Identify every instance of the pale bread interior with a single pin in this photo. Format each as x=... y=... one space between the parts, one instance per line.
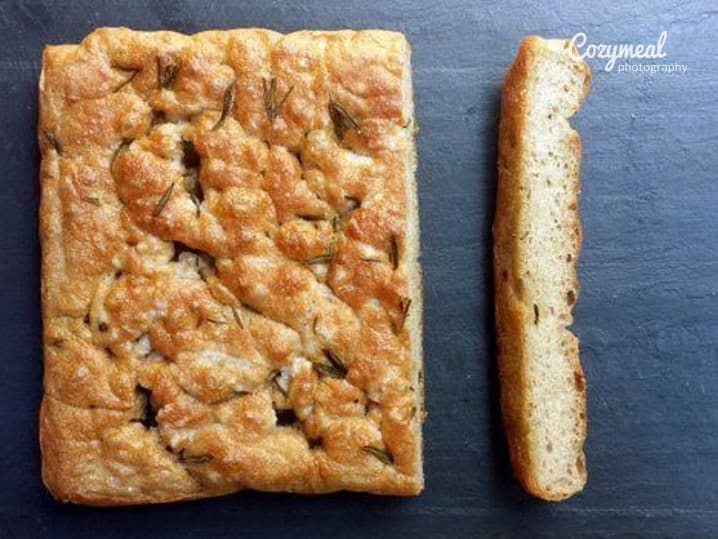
x=546 y=239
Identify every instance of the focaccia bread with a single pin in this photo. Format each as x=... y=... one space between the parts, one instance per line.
x=537 y=237
x=230 y=281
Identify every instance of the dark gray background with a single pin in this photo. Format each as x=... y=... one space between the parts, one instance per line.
x=647 y=316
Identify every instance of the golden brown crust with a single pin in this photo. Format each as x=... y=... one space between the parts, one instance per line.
x=229 y=237
x=508 y=325
x=515 y=314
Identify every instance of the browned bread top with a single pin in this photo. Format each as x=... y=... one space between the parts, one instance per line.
x=230 y=285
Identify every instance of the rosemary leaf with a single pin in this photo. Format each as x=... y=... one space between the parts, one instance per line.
x=166 y=72
x=342 y=120
x=122 y=147
x=338 y=367
x=194 y=459
x=237 y=318
x=273 y=379
x=404 y=305
x=327 y=369
x=127 y=80
x=286 y=96
x=270 y=96
x=196 y=203
x=231 y=396
x=381 y=454
x=272 y=376
x=227 y=103
x=321 y=259
x=394 y=253
x=271 y=105
x=191 y=184
x=53 y=141
x=92 y=200
x=164 y=199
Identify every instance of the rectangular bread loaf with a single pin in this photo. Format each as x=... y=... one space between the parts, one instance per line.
x=230 y=281
x=537 y=237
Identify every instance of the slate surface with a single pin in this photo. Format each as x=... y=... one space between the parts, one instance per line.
x=647 y=315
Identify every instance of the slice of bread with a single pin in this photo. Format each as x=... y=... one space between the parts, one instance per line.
x=537 y=237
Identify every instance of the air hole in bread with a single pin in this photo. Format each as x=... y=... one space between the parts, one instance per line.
x=158 y=117
x=180 y=248
x=148 y=416
x=298 y=156
x=570 y=297
x=314 y=442
x=190 y=157
x=190 y=181
x=285 y=417
x=578 y=381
